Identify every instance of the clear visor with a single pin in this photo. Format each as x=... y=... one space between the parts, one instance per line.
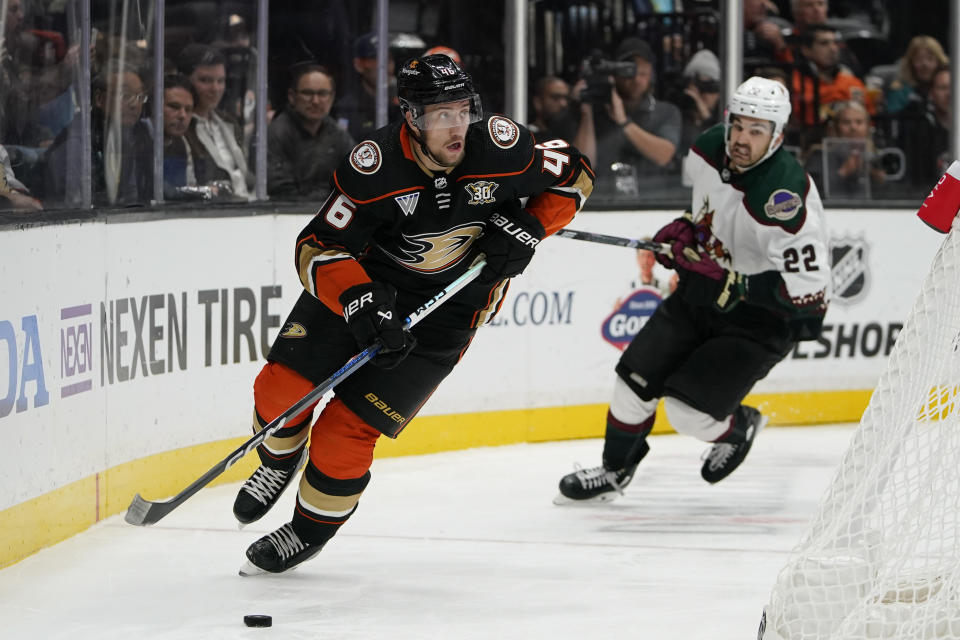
x=446 y=115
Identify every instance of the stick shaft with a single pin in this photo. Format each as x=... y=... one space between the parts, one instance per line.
x=145 y=512
x=630 y=243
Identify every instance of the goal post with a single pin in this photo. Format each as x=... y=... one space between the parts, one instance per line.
x=881 y=557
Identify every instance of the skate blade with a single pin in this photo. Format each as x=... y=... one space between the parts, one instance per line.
x=562 y=500
x=249 y=570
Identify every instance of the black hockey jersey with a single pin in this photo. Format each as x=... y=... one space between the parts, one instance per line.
x=390 y=219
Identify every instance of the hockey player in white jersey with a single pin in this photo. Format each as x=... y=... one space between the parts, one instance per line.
x=754 y=274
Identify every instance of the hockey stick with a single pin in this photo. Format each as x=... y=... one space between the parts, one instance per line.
x=630 y=243
x=144 y=512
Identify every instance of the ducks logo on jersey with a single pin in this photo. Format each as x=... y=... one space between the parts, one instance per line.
x=433 y=252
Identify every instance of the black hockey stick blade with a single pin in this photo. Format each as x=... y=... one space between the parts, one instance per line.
x=630 y=243
x=142 y=512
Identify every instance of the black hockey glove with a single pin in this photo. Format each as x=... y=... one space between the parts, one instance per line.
x=678 y=233
x=509 y=240
x=370 y=311
x=708 y=283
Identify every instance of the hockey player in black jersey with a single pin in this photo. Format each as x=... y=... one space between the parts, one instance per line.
x=411 y=208
x=754 y=274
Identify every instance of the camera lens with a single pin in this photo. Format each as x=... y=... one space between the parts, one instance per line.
x=708 y=86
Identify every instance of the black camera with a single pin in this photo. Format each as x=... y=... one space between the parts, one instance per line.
x=597 y=72
x=706 y=85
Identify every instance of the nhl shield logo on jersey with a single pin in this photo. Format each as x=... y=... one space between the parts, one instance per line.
x=293 y=330
x=440 y=183
x=783 y=205
x=365 y=157
x=408 y=202
x=503 y=131
x=481 y=192
x=849 y=268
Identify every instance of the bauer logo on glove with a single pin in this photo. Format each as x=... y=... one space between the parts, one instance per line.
x=513 y=229
x=511 y=236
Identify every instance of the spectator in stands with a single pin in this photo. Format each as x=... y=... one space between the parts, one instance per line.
x=807 y=13
x=188 y=171
x=14 y=195
x=846 y=159
x=634 y=130
x=926 y=132
x=553 y=112
x=825 y=82
x=219 y=133
x=924 y=54
x=762 y=39
x=357 y=110
x=121 y=145
x=304 y=144
x=698 y=102
x=36 y=69
x=774 y=73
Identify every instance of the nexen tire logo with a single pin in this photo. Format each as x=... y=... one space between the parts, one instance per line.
x=627 y=319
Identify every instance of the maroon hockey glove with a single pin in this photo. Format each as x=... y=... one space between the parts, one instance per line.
x=370 y=311
x=706 y=281
x=680 y=231
x=508 y=242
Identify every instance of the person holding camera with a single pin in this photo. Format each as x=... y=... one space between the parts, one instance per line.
x=699 y=98
x=630 y=128
x=847 y=158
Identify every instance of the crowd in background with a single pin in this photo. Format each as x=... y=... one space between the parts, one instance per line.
x=862 y=130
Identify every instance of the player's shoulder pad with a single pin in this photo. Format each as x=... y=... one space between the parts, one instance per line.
x=711 y=145
x=502 y=138
x=776 y=192
x=370 y=169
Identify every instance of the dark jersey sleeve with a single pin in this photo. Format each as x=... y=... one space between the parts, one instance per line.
x=558 y=181
x=329 y=248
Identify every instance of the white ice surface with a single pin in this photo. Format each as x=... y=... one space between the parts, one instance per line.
x=455 y=545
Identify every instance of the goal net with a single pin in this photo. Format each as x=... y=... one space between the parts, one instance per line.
x=881 y=558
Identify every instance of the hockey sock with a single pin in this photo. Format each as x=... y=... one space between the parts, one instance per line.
x=276 y=388
x=625 y=444
x=283 y=447
x=341 y=452
x=324 y=504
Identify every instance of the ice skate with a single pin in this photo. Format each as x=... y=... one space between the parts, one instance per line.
x=277 y=552
x=598 y=484
x=262 y=490
x=725 y=456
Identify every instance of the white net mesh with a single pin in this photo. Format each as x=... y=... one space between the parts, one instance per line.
x=882 y=556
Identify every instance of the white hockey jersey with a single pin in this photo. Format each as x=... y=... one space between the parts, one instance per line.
x=765 y=222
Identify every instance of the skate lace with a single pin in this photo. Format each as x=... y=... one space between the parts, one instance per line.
x=595 y=477
x=265 y=483
x=286 y=541
x=718 y=454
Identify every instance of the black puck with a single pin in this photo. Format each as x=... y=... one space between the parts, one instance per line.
x=257 y=620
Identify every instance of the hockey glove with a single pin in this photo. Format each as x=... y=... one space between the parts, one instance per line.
x=510 y=238
x=370 y=312
x=680 y=231
x=708 y=283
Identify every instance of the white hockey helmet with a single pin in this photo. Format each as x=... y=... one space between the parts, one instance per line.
x=760 y=98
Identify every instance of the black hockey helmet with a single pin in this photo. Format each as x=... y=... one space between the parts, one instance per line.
x=434 y=79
